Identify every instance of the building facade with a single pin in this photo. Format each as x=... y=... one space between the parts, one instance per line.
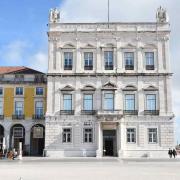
x=22 y=109
x=109 y=89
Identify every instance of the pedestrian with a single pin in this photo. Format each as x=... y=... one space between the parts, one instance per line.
x=170 y=152
x=174 y=153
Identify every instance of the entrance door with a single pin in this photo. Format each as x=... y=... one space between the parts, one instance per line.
x=109 y=143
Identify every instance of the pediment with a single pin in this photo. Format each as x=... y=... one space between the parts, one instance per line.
x=129 y=46
x=89 y=46
x=151 y=88
x=88 y=88
x=149 y=46
x=68 y=46
x=109 y=86
x=130 y=88
x=67 y=88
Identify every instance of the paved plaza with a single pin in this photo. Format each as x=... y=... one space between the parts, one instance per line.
x=90 y=169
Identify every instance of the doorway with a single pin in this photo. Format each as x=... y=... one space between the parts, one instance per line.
x=109 y=143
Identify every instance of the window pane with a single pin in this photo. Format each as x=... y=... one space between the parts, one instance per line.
x=149 y=58
x=68 y=58
x=108 y=57
x=152 y=133
x=108 y=101
x=88 y=58
x=39 y=108
x=18 y=108
x=1 y=108
x=88 y=102
x=129 y=58
x=67 y=102
x=151 y=101
x=39 y=91
x=129 y=102
x=1 y=91
x=131 y=135
x=19 y=90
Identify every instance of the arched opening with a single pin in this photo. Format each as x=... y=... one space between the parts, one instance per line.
x=17 y=135
x=1 y=136
x=37 y=140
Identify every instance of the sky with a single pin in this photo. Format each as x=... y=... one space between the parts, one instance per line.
x=23 y=30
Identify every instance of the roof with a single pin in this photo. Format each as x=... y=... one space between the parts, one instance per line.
x=18 y=70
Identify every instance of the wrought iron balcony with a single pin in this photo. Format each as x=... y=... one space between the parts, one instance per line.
x=1 y=117
x=108 y=67
x=38 y=117
x=129 y=67
x=68 y=67
x=18 y=116
x=67 y=112
x=151 y=112
x=149 y=67
x=88 y=67
x=88 y=112
x=130 y=112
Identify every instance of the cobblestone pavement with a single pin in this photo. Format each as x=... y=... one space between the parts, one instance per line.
x=90 y=169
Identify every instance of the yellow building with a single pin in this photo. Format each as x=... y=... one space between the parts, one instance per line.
x=22 y=109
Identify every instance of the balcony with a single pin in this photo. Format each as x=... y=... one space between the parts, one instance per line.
x=108 y=67
x=130 y=112
x=129 y=67
x=88 y=112
x=67 y=112
x=88 y=67
x=18 y=116
x=1 y=117
x=38 y=117
x=151 y=112
x=68 y=67
x=149 y=67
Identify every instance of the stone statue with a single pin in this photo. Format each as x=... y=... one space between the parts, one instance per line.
x=161 y=15
x=54 y=15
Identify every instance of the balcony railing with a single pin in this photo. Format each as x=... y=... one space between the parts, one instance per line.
x=130 y=112
x=18 y=116
x=108 y=67
x=149 y=67
x=68 y=67
x=129 y=67
x=151 y=112
x=67 y=112
x=109 y=112
x=88 y=67
x=88 y=112
x=38 y=117
x=1 y=117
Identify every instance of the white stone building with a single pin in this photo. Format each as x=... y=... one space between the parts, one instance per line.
x=109 y=89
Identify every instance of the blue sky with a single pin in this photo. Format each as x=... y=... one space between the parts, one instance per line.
x=23 y=29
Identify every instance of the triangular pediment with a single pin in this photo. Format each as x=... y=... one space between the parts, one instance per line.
x=68 y=46
x=89 y=46
x=109 y=86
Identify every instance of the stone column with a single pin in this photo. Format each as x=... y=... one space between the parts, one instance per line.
x=160 y=58
x=27 y=139
x=7 y=138
x=99 y=152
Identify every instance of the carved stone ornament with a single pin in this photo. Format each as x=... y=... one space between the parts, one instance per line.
x=54 y=15
x=161 y=15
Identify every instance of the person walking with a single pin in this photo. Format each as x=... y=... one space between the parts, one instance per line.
x=174 y=153
x=170 y=152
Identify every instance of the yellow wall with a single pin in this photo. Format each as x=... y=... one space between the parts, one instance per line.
x=8 y=102
x=29 y=102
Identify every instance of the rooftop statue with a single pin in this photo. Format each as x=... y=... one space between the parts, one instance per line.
x=161 y=15
x=54 y=15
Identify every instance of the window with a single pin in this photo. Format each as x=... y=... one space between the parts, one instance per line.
x=149 y=60
x=39 y=108
x=39 y=91
x=129 y=102
x=131 y=135
x=152 y=134
x=67 y=100
x=108 y=58
x=88 y=60
x=129 y=60
x=88 y=102
x=109 y=101
x=18 y=108
x=1 y=108
x=67 y=135
x=1 y=91
x=151 y=102
x=68 y=60
x=19 y=90
x=18 y=132
x=88 y=135
x=19 y=77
